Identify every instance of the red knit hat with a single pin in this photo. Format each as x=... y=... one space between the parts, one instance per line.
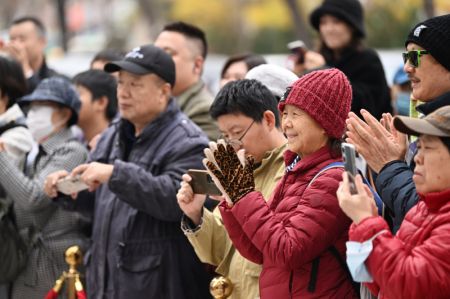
x=326 y=95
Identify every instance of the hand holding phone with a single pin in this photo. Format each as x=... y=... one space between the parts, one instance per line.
x=349 y=157
x=202 y=183
x=70 y=185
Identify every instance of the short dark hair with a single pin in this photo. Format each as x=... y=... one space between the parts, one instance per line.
x=100 y=84
x=12 y=80
x=251 y=60
x=37 y=23
x=108 y=55
x=190 y=31
x=248 y=97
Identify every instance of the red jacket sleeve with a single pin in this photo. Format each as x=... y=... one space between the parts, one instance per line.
x=405 y=271
x=314 y=223
x=242 y=243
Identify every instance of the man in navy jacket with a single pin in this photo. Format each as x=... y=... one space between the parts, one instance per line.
x=138 y=248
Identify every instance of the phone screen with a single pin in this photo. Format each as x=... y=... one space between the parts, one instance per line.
x=202 y=183
x=349 y=157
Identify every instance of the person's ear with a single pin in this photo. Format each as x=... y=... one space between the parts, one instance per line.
x=269 y=119
x=101 y=103
x=65 y=115
x=166 y=91
x=198 y=65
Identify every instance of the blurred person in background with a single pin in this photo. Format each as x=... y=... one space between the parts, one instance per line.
x=340 y=24
x=427 y=63
x=97 y=90
x=105 y=56
x=187 y=45
x=247 y=115
x=53 y=107
x=401 y=92
x=100 y=59
x=301 y=60
x=274 y=77
x=237 y=66
x=15 y=139
x=415 y=262
x=27 y=43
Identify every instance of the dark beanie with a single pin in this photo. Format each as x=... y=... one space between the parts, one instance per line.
x=434 y=36
x=326 y=95
x=349 y=11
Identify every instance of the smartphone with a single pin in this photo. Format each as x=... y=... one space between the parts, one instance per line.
x=349 y=157
x=70 y=185
x=202 y=183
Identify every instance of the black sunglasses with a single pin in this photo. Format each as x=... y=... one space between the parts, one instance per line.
x=413 y=57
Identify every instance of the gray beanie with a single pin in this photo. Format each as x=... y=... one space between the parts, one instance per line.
x=274 y=77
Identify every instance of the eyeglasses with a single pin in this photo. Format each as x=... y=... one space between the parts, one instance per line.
x=237 y=143
x=413 y=57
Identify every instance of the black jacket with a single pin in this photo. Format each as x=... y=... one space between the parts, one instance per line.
x=366 y=74
x=43 y=73
x=139 y=249
x=394 y=182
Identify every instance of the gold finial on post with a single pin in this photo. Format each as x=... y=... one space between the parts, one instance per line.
x=74 y=257
x=221 y=287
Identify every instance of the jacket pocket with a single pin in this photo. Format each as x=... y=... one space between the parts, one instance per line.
x=140 y=276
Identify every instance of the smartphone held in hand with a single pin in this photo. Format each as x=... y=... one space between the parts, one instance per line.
x=202 y=183
x=70 y=185
x=349 y=157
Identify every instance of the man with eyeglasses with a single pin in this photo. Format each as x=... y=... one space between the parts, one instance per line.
x=248 y=118
x=427 y=63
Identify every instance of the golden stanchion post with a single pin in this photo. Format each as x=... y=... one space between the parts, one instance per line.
x=221 y=287
x=74 y=257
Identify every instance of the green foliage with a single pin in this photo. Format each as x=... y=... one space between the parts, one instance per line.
x=387 y=28
x=272 y=40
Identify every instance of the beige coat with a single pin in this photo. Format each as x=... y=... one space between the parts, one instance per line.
x=213 y=246
x=195 y=103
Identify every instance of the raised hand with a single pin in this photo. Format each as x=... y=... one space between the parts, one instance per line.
x=191 y=204
x=373 y=141
x=232 y=172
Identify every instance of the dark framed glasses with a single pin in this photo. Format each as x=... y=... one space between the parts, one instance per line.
x=413 y=57
x=237 y=143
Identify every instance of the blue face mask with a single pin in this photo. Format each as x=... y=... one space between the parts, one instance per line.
x=402 y=103
x=357 y=253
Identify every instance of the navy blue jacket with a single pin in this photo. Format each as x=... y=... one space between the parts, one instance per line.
x=138 y=249
x=394 y=182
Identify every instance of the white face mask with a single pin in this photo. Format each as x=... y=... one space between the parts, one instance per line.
x=39 y=122
x=357 y=254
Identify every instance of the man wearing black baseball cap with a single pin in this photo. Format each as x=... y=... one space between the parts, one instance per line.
x=139 y=250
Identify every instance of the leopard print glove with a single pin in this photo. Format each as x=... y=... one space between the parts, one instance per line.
x=235 y=176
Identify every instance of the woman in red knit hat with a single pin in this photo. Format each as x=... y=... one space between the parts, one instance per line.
x=299 y=235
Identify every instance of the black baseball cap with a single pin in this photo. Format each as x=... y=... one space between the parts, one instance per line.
x=144 y=60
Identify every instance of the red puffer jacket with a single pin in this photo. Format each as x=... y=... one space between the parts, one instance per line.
x=295 y=227
x=416 y=262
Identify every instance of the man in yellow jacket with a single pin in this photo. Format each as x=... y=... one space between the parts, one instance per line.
x=247 y=115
